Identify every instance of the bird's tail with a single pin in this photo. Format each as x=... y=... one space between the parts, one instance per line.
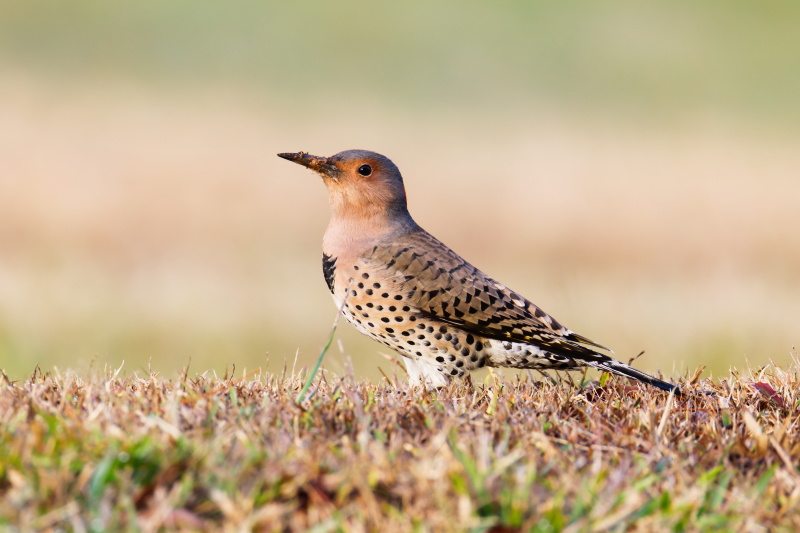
x=621 y=369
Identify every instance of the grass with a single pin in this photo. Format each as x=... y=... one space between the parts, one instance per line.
x=208 y=453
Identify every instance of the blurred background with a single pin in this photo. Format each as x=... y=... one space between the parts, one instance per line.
x=633 y=169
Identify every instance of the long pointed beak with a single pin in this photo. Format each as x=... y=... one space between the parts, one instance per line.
x=317 y=164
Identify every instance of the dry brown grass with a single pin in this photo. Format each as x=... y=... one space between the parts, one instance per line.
x=111 y=453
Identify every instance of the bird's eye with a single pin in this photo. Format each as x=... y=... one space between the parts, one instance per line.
x=365 y=170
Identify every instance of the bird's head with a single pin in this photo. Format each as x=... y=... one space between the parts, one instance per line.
x=360 y=183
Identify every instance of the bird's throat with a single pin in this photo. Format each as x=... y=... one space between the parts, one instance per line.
x=348 y=237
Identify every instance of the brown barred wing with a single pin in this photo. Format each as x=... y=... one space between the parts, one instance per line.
x=443 y=286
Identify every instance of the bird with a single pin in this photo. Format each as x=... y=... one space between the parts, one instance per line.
x=399 y=285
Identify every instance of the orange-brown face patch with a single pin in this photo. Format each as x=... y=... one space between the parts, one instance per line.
x=351 y=168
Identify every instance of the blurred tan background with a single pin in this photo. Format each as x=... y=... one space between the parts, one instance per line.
x=632 y=169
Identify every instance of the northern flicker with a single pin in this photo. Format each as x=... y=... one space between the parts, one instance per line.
x=399 y=285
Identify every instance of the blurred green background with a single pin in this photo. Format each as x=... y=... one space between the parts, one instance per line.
x=632 y=168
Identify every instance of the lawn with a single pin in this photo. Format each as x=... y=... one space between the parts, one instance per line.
x=117 y=452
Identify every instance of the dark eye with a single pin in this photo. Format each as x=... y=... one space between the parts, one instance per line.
x=365 y=170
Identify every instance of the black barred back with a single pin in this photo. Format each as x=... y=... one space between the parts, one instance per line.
x=328 y=269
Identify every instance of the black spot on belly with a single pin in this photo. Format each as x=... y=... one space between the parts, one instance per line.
x=328 y=269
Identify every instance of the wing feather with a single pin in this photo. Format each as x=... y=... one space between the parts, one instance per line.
x=444 y=286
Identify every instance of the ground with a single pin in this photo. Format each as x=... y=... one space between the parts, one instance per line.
x=109 y=452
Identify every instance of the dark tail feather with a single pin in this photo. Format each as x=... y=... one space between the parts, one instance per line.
x=620 y=369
